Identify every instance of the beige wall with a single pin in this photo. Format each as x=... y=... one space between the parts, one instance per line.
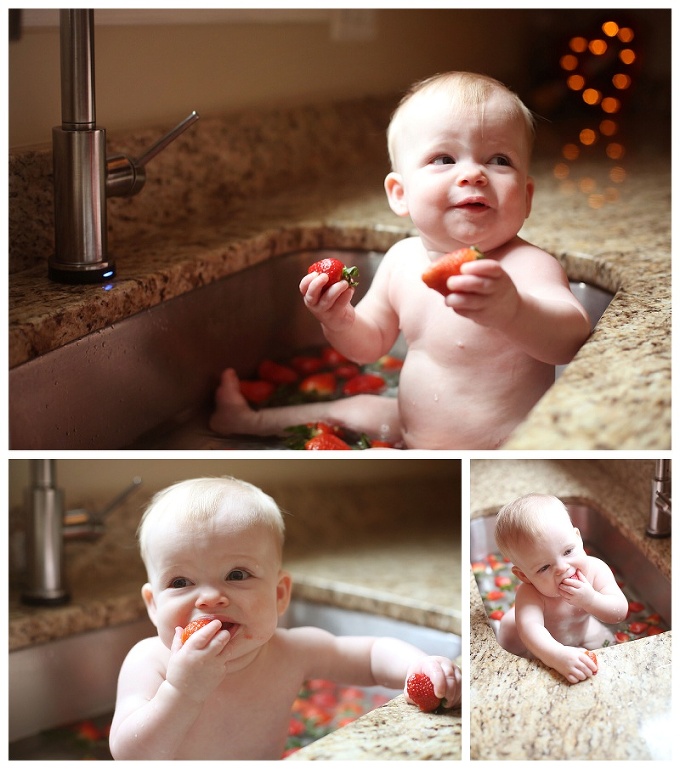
x=85 y=481
x=156 y=74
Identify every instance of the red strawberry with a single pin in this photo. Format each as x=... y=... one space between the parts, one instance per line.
x=503 y=582
x=331 y=357
x=593 y=657
x=256 y=390
x=276 y=372
x=193 y=626
x=421 y=691
x=306 y=364
x=638 y=627
x=364 y=383
x=436 y=275
x=635 y=606
x=322 y=384
x=496 y=614
x=336 y=272
x=326 y=442
x=390 y=363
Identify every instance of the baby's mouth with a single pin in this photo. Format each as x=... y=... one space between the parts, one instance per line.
x=473 y=204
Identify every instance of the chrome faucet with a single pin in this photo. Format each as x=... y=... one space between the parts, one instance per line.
x=83 y=175
x=47 y=528
x=659 y=524
x=44 y=537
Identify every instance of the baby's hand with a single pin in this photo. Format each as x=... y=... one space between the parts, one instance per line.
x=331 y=307
x=197 y=667
x=484 y=293
x=575 y=664
x=445 y=677
x=577 y=591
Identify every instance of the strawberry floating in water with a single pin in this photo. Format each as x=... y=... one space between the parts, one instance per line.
x=421 y=690
x=448 y=265
x=336 y=272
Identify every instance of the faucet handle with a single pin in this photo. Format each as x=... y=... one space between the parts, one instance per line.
x=126 y=176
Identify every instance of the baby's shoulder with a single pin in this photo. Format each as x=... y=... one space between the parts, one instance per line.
x=148 y=650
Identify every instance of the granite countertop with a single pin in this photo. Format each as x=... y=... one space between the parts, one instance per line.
x=206 y=213
x=519 y=709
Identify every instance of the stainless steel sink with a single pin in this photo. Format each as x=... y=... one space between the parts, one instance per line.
x=149 y=381
x=610 y=544
x=75 y=678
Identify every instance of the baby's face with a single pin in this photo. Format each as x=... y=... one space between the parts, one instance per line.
x=227 y=570
x=463 y=173
x=552 y=557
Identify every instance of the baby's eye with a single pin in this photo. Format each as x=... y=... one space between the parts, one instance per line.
x=179 y=582
x=500 y=160
x=443 y=160
x=569 y=551
x=542 y=569
x=237 y=575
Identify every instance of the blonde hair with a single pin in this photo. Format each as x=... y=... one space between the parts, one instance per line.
x=197 y=500
x=523 y=519
x=469 y=89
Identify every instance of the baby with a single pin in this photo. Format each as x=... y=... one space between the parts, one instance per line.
x=213 y=548
x=565 y=594
x=480 y=358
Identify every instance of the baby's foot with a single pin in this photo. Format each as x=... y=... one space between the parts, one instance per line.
x=233 y=414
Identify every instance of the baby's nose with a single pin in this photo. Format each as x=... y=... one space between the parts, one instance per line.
x=212 y=596
x=470 y=173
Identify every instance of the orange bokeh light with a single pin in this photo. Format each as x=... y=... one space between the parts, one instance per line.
x=610 y=28
x=578 y=44
x=618 y=174
x=587 y=136
x=569 y=62
x=627 y=55
x=570 y=151
x=561 y=171
x=625 y=34
x=610 y=105
x=575 y=82
x=615 y=151
x=597 y=47
x=591 y=96
x=608 y=127
x=621 y=81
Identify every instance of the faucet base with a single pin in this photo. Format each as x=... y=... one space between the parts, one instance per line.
x=95 y=273
x=58 y=598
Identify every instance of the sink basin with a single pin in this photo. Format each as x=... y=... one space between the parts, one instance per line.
x=75 y=678
x=149 y=381
x=606 y=541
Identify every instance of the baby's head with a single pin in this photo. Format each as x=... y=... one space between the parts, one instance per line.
x=467 y=90
x=524 y=520
x=196 y=503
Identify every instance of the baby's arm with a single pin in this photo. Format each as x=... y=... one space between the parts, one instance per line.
x=603 y=598
x=363 y=333
x=155 y=709
x=571 y=662
x=527 y=298
x=367 y=661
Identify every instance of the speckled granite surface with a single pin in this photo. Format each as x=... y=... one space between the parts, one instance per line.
x=247 y=188
x=520 y=709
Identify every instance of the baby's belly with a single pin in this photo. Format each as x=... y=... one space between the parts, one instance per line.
x=475 y=406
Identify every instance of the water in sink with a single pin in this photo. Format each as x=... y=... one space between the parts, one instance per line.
x=647 y=590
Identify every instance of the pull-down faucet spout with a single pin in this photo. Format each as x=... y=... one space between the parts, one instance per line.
x=660 y=508
x=83 y=176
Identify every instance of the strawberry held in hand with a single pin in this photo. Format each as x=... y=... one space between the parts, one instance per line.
x=193 y=626
x=336 y=272
x=421 y=690
x=448 y=265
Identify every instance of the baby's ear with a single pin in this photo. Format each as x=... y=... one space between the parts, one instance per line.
x=394 y=188
x=149 y=602
x=283 y=591
x=578 y=533
x=520 y=575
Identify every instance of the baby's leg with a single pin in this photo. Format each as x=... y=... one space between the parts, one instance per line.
x=374 y=415
x=597 y=634
x=508 y=637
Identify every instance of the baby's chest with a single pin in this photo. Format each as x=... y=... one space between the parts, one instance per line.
x=243 y=723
